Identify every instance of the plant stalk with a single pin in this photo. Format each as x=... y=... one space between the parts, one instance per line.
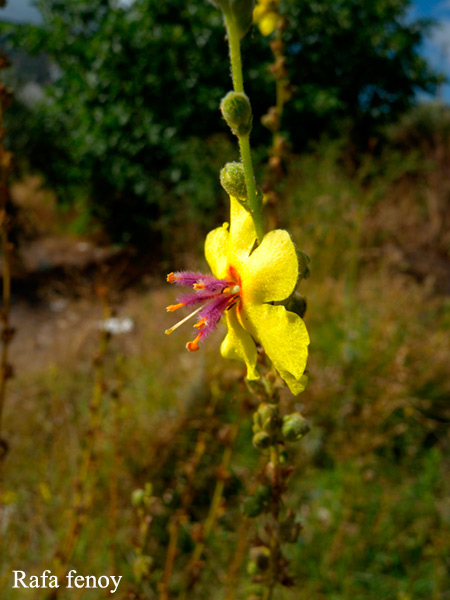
x=244 y=141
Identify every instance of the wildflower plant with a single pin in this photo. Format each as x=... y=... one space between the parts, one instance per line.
x=254 y=274
x=252 y=288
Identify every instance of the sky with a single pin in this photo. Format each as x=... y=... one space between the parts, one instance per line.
x=436 y=48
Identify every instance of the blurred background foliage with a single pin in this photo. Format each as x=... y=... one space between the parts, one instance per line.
x=133 y=92
x=128 y=140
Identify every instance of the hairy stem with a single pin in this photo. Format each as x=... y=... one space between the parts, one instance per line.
x=244 y=142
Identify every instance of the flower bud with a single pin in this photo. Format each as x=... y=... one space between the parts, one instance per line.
x=284 y=457
x=263 y=493
x=303 y=262
x=138 y=497
x=294 y=427
x=261 y=440
x=290 y=531
x=233 y=181
x=237 y=112
x=141 y=497
x=252 y=506
x=256 y=428
x=271 y=120
x=260 y=556
x=297 y=304
x=243 y=15
x=268 y=417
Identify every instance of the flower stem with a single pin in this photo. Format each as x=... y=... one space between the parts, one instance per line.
x=6 y=331
x=234 y=44
x=85 y=480
x=255 y=205
x=222 y=473
x=244 y=142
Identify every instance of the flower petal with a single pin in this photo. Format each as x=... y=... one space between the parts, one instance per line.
x=297 y=386
x=242 y=233
x=270 y=273
x=283 y=336
x=216 y=250
x=238 y=344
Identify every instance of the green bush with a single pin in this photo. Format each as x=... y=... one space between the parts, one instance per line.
x=134 y=86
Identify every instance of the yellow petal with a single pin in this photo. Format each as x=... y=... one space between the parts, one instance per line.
x=238 y=344
x=270 y=273
x=284 y=338
x=297 y=386
x=242 y=232
x=216 y=251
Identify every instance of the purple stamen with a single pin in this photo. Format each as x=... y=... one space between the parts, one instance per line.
x=195 y=298
x=217 y=295
x=208 y=282
x=212 y=313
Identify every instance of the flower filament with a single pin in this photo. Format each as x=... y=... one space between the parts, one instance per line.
x=215 y=296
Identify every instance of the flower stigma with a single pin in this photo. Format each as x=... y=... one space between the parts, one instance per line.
x=215 y=296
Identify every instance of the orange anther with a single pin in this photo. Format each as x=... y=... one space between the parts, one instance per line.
x=200 y=324
x=174 y=307
x=199 y=286
x=170 y=277
x=193 y=346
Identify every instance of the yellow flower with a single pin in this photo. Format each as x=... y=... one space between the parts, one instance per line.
x=266 y=16
x=265 y=275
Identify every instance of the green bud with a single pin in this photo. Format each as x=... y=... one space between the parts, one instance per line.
x=141 y=497
x=294 y=427
x=252 y=506
x=260 y=556
x=141 y=566
x=261 y=440
x=296 y=304
x=263 y=493
x=138 y=497
x=290 y=531
x=303 y=262
x=257 y=419
x=252 y=568
x=242 y=12
x=268 y=417
x=284 y=457
x=237 y=112
x=256 y=428
x=243 y=15
x=233 y=180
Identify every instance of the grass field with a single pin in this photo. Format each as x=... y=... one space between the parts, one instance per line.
x=90 y=419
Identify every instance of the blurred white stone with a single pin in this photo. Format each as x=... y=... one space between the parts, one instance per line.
x=115 y=325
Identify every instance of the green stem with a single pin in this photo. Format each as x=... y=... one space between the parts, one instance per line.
x=244 y=142
x=274 y=541
x=234 y=44
x=255 y=207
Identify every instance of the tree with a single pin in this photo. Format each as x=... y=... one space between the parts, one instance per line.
x=138 y=88
x=356 y=64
